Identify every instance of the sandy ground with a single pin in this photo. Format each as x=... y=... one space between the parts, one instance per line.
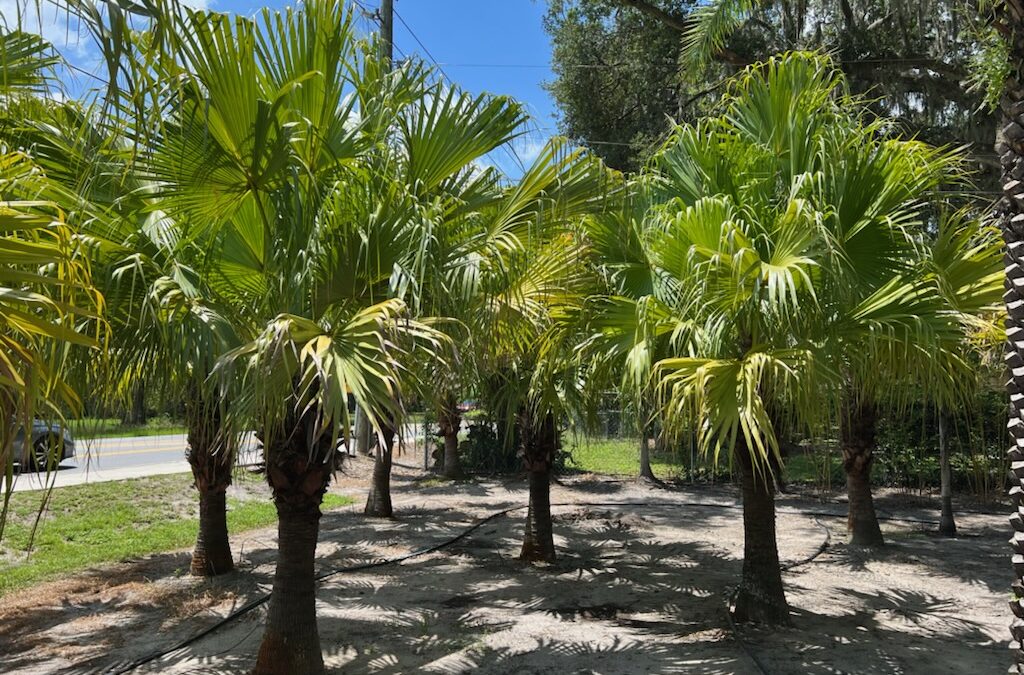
x=637 y=589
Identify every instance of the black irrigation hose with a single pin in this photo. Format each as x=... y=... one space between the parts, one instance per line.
x=253 y=604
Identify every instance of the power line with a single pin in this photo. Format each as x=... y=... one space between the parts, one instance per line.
x=613 y=66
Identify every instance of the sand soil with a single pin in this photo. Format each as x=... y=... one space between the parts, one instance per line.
x=641 y=586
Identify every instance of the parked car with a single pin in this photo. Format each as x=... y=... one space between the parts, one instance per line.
x=49 y=440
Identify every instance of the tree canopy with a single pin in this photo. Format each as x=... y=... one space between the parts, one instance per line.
x=622 y=76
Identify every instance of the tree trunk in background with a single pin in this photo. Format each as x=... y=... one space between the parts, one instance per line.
x=363 y=432
x=136 y=413
x=947 y=525
x=760 y=597
x=378 y=503
x=646 y=473
x=539 y=442
x=291 y=641
x=449 y=421
x=857 y=438
x=1008 y=20
x=211 y=458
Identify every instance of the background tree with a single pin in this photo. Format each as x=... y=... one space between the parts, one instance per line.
x=617 y=80
x=916 y=72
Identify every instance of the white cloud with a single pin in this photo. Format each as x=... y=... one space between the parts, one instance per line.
x=528 y=148
x=59 y=27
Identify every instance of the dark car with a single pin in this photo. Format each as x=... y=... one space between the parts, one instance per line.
x=49 y=441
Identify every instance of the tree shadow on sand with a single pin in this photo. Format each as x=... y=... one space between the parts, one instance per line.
x=631 y=592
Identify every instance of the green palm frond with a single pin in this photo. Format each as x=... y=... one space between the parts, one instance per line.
x=736 y=401
x=448 y=129
x=712 y=25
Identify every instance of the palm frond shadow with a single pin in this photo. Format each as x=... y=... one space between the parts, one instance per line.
x=656 y=605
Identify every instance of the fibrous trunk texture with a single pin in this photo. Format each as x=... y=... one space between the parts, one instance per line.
x=760 y=597
x=210 y=454
x=450 y=421
x=378 y=502
x=212 y=554
x=1009 y=22
x=947 y=525
x=291 y=641
x=539 y=442
x=857 y=428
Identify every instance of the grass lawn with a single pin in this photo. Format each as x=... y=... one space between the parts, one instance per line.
x=86 y=525
x=110 y=427
x=618 y=457
x=621 y=457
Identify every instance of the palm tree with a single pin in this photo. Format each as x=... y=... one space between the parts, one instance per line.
x=1005 y=83
x=529 y=270
x=162 y=328
x=443 y=135
x=755 y=286
x=269 y=165
x=628 y=328
x=48 y=301
x=964 y=261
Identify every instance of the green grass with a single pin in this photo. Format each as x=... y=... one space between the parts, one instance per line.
x=807 y=468
x=110 y=427
x=618 y=457
x=621 y=457
x=87 y=525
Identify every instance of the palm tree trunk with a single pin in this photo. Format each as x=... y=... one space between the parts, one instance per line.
x=450 y=421
x=378 y=502
x=646 y=473
x=299 y=474
x=947 y=525
x=539 y=444
x=1009 y=22
x=857 y=436
x=211 y=458
x=363 y=432
x=212 y=554
x=291 y=641
x=760 y=597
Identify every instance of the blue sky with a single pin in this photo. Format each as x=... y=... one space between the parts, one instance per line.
x=498 y=46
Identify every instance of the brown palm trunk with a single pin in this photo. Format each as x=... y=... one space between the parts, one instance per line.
x=291 y=641
x=378 y=502
x=211 y=456
x=857 y=436
x=760 y=597
x=1008 y=20
x=212 y=554
x=947 y=525
x=539 y=444
x=450 y=421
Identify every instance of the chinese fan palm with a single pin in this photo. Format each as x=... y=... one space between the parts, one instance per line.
x=778 y=263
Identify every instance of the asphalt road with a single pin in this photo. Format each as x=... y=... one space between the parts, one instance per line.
x=105 y=459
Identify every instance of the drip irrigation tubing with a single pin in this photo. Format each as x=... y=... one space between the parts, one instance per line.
x=121 y=669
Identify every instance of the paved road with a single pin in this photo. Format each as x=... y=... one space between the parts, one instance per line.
x=106 y=459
